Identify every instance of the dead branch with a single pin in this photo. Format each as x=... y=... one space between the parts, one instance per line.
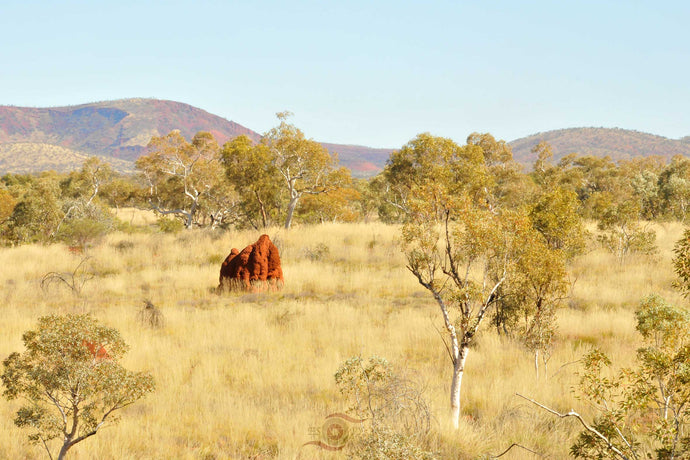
x=582 y=421
x=74 y=280
x=520 y=446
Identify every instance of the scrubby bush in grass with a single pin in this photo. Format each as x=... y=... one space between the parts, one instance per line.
x=82 y=232
x=170 y=225
x=37 y=215
x=151 y=316
x=622 y=234
x=397 y=416
x=681 y=264
x=644 y=411
x=70 y=380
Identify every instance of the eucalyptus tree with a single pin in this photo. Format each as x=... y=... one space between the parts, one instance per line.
x=305 y=166
x=186 y=178
x=70 y=381
x=467 y=249
x=250 y=169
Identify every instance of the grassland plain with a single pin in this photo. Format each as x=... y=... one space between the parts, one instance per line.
x=249 y=375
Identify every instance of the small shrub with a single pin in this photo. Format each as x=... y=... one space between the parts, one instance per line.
x=284 y=318
x=386 y=444
x=625 y=241
x=398 y=415
x=168 y=225
x=215 y=259
x=83 y=232
x=129 y=227
x=124 y=245
x=317 y=252
x=151 y=315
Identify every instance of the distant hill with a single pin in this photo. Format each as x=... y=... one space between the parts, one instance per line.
x=119 y=129
x=619 y=144
x=26 y=157
x=363 y=161
x=37 y=139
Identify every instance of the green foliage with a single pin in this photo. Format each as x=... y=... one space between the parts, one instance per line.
x=82 y=232
x=393 y=406
x=317 y=252
x=555 y=216
x=509 y=188
x=536 y=290
x=86 y=219
x=71 y=380
x=644 y=410
x=674 y=187
x=251 y=171
x=87 y=182
x=543 y=164
x=622 y=234
x=643 y=175
x=305 y=166
x=629 y=238
x=681 y=264
x=59 y=207
x=376 y=200
x=186 y=179
x=169 y=225
x=340 y=205
x=364 y=385
x=434 y=162
x=470 y=245
x=37 y=215
x=124 y=190
x=7 y=204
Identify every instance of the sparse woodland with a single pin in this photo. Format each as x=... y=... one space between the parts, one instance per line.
x=494 y=302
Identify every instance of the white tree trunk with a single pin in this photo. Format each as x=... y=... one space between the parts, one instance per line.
x=458 y=370
x=290 y=211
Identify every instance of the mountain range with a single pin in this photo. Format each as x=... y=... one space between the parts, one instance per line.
x=618 y=144
x=61 y=138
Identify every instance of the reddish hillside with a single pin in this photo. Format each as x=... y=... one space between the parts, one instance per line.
x=363 y=161
x=122 y=129
x=619 y=144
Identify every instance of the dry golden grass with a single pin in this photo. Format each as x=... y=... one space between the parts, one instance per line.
x=248 y=375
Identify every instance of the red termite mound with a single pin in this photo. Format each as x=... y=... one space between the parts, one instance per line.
x=97 y=350
x=255 y=267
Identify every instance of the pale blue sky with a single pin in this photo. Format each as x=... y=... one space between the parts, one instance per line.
x=363 y=72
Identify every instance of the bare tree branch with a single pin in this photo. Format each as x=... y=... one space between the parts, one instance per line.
x=582 y=421
x=521 y=447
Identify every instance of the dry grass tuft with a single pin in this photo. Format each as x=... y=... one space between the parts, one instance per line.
x=151 y=315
